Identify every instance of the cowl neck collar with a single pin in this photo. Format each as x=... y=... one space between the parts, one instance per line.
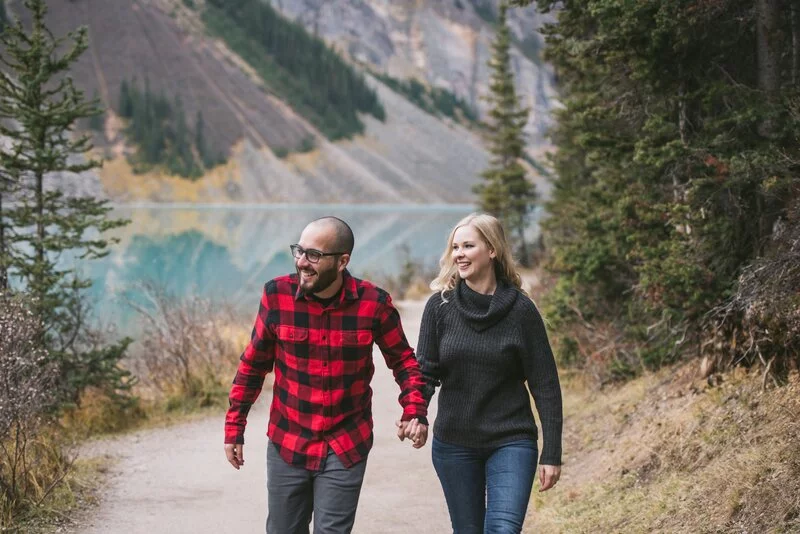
x=483 y=311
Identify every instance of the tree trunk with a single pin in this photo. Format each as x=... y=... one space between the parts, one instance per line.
x=3 y=253
x=768 y=47
x=682 y=120
x=795 y=10
x=524 y=260
x=38 y=244
x=678 y=194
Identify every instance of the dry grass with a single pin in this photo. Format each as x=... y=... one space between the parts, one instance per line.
x=79 y=489
x=669 y=453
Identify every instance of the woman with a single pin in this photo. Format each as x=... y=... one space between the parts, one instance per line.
x=481 y=340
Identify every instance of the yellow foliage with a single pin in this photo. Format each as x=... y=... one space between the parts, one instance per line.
x=122 y=184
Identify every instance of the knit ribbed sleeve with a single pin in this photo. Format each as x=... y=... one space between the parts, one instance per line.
x=542 y=377
x=428 y=347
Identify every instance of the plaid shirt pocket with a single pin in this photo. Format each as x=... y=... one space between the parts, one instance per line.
x=292 y=334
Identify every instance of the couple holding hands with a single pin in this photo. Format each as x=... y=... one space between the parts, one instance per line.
x=482 y=344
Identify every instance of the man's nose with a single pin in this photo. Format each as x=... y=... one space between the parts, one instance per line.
x=302 y=261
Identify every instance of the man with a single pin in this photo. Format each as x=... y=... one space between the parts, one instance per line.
x=316 y=330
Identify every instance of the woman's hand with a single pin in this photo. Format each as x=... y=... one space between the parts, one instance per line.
x=414 y=430
x=548 y=476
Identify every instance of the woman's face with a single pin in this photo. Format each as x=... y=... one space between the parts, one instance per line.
x=472 y=254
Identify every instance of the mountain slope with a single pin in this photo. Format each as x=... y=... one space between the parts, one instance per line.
x=445 y=44
x=411 y=157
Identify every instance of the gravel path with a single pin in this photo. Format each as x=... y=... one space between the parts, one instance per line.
x=177 y=479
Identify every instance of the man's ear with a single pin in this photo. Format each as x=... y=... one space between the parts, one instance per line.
x=344 y=260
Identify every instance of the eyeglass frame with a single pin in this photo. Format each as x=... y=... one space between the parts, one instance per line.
x=314 y=251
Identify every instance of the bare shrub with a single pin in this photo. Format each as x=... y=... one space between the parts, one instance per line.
x=186 y=346
x=600 y=349
x=30 y=466
x=761 y=321
x=598 y=343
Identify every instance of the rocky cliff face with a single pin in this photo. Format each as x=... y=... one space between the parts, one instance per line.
x=445 y=43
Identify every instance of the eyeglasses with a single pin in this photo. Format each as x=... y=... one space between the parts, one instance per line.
x=313 y=256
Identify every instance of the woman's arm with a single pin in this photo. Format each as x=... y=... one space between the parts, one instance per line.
x=542 y=376
x=428 y=347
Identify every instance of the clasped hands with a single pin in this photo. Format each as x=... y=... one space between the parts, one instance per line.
x=413 y=430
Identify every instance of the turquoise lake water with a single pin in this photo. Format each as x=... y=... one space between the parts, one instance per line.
x=227 y=253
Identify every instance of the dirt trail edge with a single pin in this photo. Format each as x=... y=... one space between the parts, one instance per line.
x=177 y=480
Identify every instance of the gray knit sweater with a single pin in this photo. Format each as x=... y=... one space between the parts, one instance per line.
x=482 y=349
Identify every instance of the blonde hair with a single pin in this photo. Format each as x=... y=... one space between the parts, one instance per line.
x=491 y=231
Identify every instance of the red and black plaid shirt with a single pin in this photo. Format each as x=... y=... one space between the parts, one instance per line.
x=322 y=358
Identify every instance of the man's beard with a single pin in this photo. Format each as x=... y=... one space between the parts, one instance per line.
x=321 y=282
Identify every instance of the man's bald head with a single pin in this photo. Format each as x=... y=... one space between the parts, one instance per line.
x=342 y=235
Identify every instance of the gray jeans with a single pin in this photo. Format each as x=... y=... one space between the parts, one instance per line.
x=294 y=493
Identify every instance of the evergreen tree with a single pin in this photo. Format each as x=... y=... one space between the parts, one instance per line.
x=96 y=120
x=3 y=15
x=200 y=141
x=180 y=150
x=506 y=192
x=8 y=183
x=677 y=164
x=125 y=100
x=160 y=130
x=40 y=107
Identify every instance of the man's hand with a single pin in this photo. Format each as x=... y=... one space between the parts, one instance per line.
x=235 y=454
x=548 y=476
x=413 y=430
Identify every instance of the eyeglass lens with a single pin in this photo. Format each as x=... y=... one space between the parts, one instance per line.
x=311 y=255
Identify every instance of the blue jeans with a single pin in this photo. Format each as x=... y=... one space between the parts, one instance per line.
x=487 y=490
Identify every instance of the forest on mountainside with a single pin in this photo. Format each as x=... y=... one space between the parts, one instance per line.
x=159 y=128
x=434 y=100
x=298 y=66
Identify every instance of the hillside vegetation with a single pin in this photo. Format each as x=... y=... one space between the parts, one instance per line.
x=675 y=225
x=411 y=157
x=159 y=128
x=301 y=68
x=674 y=266
x=139 y=41
x=434 y=100
x=667 y=452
